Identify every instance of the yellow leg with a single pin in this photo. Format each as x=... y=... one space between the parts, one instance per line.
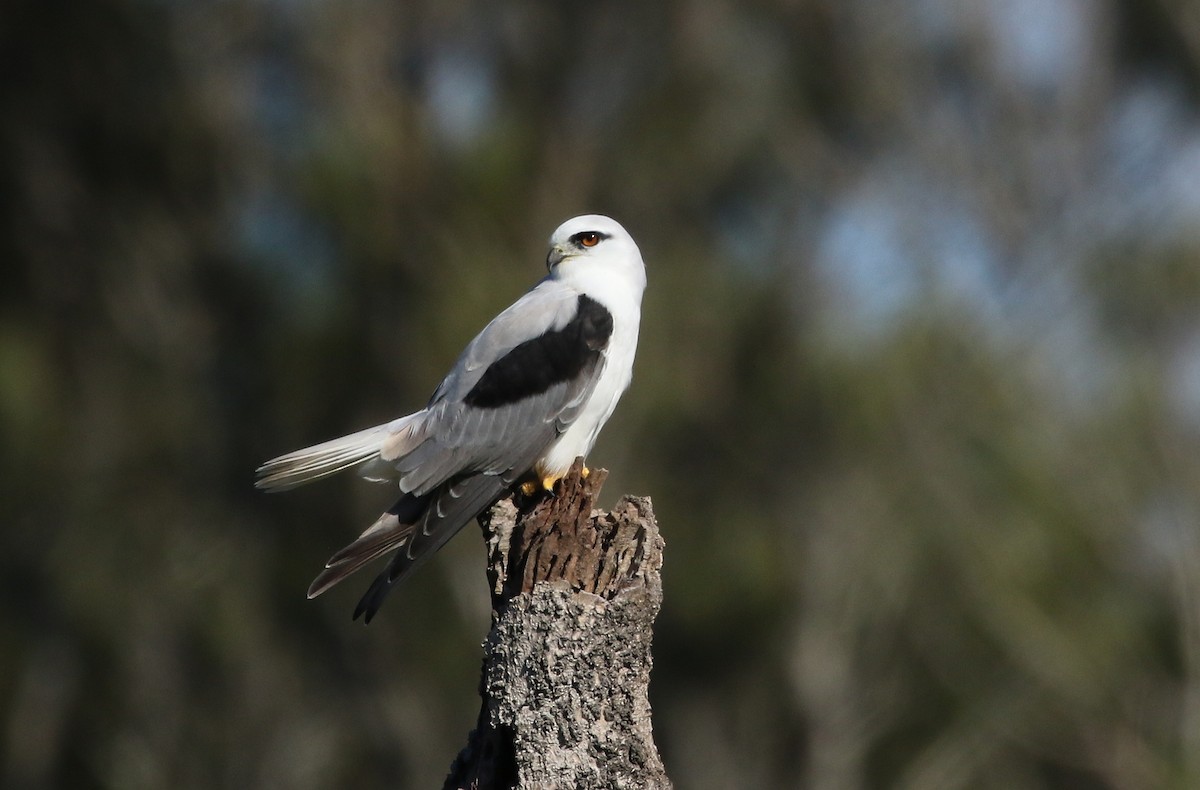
x=530 y=487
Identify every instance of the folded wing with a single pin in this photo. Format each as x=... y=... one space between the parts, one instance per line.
x=513 y=391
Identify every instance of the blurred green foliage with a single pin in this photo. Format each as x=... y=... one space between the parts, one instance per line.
x=917 y=401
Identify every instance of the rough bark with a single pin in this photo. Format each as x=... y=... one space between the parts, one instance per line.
x=567 y=662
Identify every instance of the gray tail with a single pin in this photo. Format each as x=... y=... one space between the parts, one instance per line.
x=321 y=460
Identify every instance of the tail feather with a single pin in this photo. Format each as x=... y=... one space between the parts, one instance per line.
x=328 y=458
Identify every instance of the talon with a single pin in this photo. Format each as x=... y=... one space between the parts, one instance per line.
x=584 y=472
x=548 y=483
x=528 y=488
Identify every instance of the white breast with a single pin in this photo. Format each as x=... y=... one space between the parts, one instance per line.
x=622 y=297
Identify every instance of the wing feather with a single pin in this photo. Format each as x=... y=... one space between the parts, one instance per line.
x=548 y=305
x=452 y=506
x=454 y=458
x=461 y=436
x=451 y=484
x=390 y=531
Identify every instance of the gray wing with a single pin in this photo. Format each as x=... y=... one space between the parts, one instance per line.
x=447 y=510
x=454 y=434
x=416 y=525
x=515 y=388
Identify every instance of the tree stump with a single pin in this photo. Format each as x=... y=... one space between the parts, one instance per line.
x=566 y=664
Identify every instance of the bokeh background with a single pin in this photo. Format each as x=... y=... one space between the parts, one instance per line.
x=917 y=400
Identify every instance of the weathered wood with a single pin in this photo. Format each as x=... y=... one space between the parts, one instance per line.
x=566 y=665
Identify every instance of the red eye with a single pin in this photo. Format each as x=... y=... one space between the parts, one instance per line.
x=589 y=239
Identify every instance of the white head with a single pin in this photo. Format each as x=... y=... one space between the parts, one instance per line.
x=594 y=246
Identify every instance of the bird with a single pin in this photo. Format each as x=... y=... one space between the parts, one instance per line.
x=527 y=396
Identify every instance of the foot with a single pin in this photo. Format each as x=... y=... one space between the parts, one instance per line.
x=530 y=487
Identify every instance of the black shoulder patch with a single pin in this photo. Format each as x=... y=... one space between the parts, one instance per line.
x=538 y=364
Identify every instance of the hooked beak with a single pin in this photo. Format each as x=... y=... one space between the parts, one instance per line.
x=556 y=254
